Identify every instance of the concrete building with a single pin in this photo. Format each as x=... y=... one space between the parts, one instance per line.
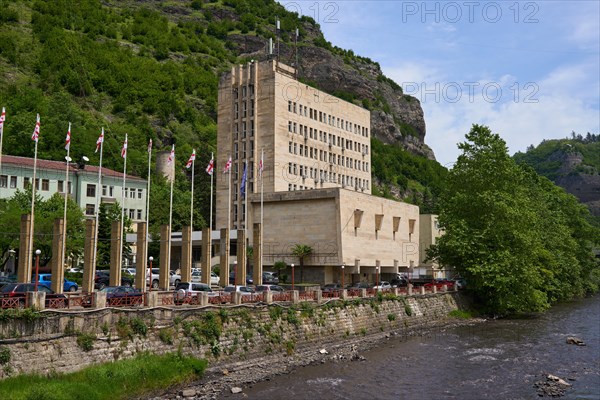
x=316 y=177
x=429 y=232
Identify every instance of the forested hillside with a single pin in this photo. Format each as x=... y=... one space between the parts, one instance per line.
x=150 y=69
x=572 y=163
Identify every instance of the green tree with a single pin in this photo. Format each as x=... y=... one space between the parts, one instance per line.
x=513 y=235
x=302 y=251
x=109 y=213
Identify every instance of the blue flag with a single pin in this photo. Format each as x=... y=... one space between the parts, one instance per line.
x=243 y=186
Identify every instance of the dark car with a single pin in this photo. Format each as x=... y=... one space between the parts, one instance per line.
x=249 y=280
x=102 y=280
x=360 y=285
x=399 y=282
x=123 y=296
x=269 y=278
x=5 y=280
x=19 y=290
x=330 y=287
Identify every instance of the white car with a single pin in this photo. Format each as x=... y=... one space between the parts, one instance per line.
x=244 y=290
x=383 y=285
x=197 y=277
x=174 y=278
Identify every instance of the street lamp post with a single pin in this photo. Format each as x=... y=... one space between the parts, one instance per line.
x=234 y=275
x=377 y=278
x=343 y=266
x=292 y=276
x=150 y=259
x=37 y=268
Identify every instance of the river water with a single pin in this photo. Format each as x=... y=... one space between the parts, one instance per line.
x=499 y=359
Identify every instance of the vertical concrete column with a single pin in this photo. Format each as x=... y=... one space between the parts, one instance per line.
x=268 y=297
x=240 y=274
x=257 y=253
x=186 y=254
x=344 y=294
x=237 y=298
x=206 y=255
x=295 y=297
x=89 y=262
x=58 y=265
x=152 y=299
x=165 y=263
x=203 y=298
x=319 y=296
x=363 y=292
x=99 y=300
x=36 y=300
x=224 y=258
x=25 y=254
x=444 y=288
x=115 y=247
x=434 y=289
x=410 y=289
x=395 y=291
x=422 y=289
x=142 y=246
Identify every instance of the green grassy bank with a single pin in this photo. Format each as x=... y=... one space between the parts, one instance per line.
x=118 y=380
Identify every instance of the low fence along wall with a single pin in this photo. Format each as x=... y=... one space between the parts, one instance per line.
x=68 y=341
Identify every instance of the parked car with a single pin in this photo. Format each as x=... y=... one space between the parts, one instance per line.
x=360 y=285
x=191 y=289
x=19 y=290
x=383 y=285
x=123 y=296
x=130 y=271
x=269 y=278
x=197 y=277
x=174 y=278
x=249 y=280
x=269 y=288
x=75 y=270
x=330 y=287
x=399 y=282
x=102 y=280
x=244 y=290
x=5 y=280
x=439 y=283
x=46 y=280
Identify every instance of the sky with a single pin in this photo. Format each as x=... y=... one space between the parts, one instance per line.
x=530 y=70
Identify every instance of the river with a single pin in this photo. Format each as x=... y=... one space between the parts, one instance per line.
x=500 y=359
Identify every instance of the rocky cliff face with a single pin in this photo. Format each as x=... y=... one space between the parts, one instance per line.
x=395 y=117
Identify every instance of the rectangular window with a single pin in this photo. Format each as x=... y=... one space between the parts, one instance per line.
x=89 y=209
x=139 y=214
x=3 y=181
x=131 y=213
x=45 y=185
x=91 y=190
x=139 y=191
x=132 y=193
x=111 y=190
x=13 y=182
x=104 y=190
x=60 y=186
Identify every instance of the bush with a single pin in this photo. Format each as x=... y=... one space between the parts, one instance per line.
x=4 y=355
x=86 y=341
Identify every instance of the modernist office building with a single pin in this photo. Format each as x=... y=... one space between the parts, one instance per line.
x=317 y=177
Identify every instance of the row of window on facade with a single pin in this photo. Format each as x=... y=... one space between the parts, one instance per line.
x=327 y=157
x=7 y=181
x=243 y=146
x=109 y=191
x=320 y=175
x=328 y=119
x=247 y=129
x=246 y=91
x=246 y=110
x=132 y=213
x=331 y=139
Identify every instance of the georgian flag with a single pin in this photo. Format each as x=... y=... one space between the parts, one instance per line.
x=124 y=148
x=68 y=139
x=171 y=156
x=243 y=185
x=100 y=141
x=211 y=166
x=36 y=131
x=191 y=160
x=260 y=167
x=2 y=119
x=150 y=146
x=227 y=166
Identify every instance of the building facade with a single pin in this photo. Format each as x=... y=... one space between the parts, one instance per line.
x=316 y=178
x=17 y=173
x=310 y=139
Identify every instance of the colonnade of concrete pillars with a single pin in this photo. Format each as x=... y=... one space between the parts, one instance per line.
x=90 y=256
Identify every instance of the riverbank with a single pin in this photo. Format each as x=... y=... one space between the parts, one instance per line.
x=226 y=379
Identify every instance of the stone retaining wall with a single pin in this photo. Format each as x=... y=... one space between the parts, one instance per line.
x=68 y=341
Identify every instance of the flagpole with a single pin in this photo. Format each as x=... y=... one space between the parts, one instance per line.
x=211 y=194
x=31 y=227
x=192 y=209
x=64 y=247
x=246 y=201
x=262 y=227
x=124 y=154
x=101 y=139
x=170 y=210
x=2 y=119
x=147 y=211
x=229 y=199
